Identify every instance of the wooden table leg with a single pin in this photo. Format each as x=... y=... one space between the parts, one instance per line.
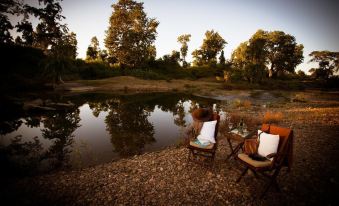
x=235 y=150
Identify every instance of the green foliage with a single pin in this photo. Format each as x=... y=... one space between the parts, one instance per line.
x=202 y=71
x=328 y=64
x=55 y=67
x=275 y=49
x=211 y=46
x=250 y=58
x=222 y=60
x=94 y=70
x=284 y=54
x=66 y=47
x=131 y=34
x=146 y=74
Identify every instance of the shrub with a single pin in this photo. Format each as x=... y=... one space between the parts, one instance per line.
x=97 y=70
x=145 y=74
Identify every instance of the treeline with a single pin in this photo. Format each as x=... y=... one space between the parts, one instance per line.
x=47 y=53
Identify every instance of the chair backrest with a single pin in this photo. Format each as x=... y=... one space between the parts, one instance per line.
x=216 y=117
x=285 y=148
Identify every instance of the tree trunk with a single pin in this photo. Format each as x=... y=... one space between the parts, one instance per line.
x=270 y=71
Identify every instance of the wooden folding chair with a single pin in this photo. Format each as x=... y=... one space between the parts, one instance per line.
x=270 y=169
x=204 y=155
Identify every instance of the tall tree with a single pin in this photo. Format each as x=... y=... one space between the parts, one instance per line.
x=183 y=40
x=60 y=57
x=250 y=57
x=130 y=34
x=284 y=54
x=328 y=63
x=211 y=46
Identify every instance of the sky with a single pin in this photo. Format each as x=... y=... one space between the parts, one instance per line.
x=314 y=23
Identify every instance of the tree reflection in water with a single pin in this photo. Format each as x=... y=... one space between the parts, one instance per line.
x=59 y=128
x=21 y=157
x=129 y=127
x=179 y=114
x=127 y=122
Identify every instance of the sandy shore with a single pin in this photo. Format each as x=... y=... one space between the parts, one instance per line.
x=167 y=178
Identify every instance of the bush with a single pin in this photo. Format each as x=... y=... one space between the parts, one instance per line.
x=145 y=74
x=96 y=70
x=202 y=72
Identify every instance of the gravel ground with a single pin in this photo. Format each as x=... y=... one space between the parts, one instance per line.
x=167 y=178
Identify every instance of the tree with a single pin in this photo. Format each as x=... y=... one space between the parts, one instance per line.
x=49 y=30
x=222 y=60
x=93 y=50
x=60 y=57
x=284 y=54
x=275 y=49
x=103 y=55
x=7 y=7
x=26 y=28
x=183 y=39
x=175 y=56
x=66 y=47
x=130 y=34
x=328 y=64
x=250 y=57
x=212 y=45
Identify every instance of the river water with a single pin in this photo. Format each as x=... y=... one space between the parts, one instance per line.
x=100 y=128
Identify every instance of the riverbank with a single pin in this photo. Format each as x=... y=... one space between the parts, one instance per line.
x=201 y=86
x=166 y=178
x=133 y=84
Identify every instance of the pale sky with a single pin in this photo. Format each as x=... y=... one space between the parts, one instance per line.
x=315 y=24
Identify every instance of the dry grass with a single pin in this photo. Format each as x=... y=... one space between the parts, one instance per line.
x=272 y=117
x=237 y=103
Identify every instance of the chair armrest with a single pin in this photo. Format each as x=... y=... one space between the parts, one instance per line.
x=271 y=155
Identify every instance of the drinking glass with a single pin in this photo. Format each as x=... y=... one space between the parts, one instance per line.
x=230 y=125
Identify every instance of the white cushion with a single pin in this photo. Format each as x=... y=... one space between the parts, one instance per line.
x=206 y=135
x=268 y=144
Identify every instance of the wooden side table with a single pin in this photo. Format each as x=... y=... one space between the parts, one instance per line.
x=239 y=137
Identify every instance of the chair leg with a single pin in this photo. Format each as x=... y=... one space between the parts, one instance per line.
x=232 y=150
x=273 y=181
x=242 y=174
x=255 y=174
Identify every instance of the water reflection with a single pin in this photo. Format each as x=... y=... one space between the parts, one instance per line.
x=59 y=129
x=129 y=127
x=114 y=126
